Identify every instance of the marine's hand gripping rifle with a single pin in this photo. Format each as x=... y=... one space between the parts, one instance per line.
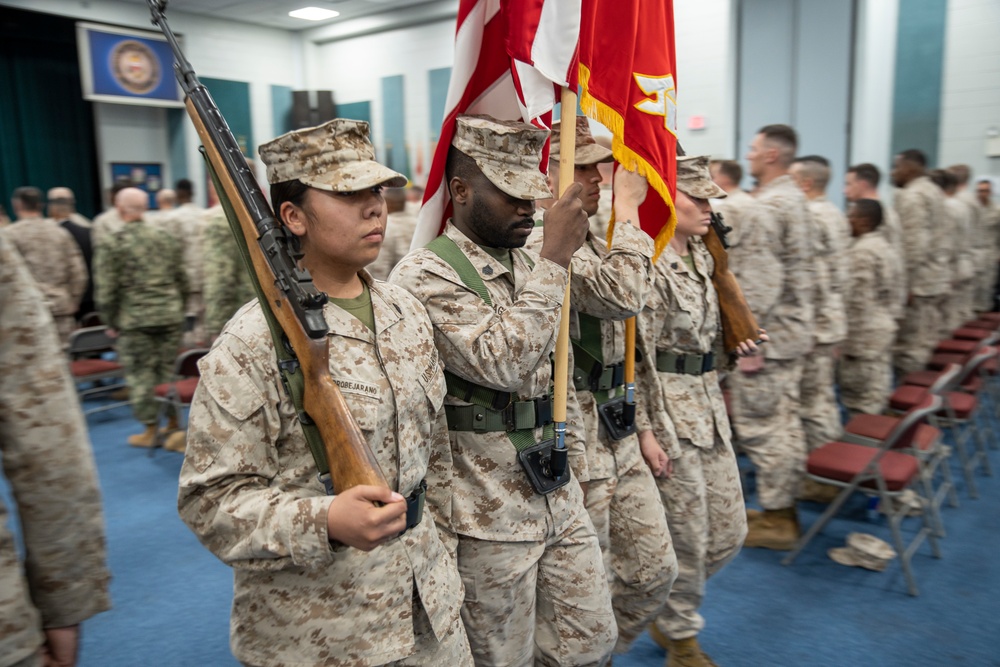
x=738 y=323
x=285 y=288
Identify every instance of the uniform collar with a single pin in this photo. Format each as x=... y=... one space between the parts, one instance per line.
x=489 y=267
x=343 y=324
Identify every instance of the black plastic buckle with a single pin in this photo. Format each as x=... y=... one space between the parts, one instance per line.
x=618 y=377
x=415 y=506
x=708 y=362
x=543 y=411
x=679 y=366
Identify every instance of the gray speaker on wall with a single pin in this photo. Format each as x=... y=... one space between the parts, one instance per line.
x=312 y=107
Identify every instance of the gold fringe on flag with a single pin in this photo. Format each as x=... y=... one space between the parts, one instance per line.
x=628 y=158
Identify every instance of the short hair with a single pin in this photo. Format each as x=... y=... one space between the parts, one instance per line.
x=461 y=165
x=914 y=155
x=944 y=179
x=29 y=197
x=786 y=139
x=961 y=172
x=815 y=167
x=184 y=185
x=866 y=172
x=870 y=210
x=730 y=168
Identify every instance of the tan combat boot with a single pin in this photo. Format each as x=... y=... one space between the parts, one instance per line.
x=686 y=653
x=774 y=529
x=144 y=439
x=661 y=639
x=816 y=492
x=176 y=442
x=171 y=426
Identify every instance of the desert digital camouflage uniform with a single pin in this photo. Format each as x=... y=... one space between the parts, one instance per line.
x=753 y=241
x=105 y=225
x=507 y=531
x=186 y=224
x=398 y=235
x=535 y=585
x=892 y=229
x=249 y=490
x=227 y=285
x=831 y=237
x=989 y=225
x=926 y=243
x=621 y=498
x=767 y=405
x=140 y=288
x=959 y=306
x=703 y=498
x=49 y=467
x=56 y=263
x=873 y=299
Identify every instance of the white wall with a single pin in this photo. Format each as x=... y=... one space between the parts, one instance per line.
x=353 y=69
x=874 y=74
x=217 y=49
x=971 y=88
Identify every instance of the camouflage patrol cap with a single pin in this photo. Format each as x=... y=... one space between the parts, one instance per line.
x=335 y=156
x=863 y=550
x=588 y=151
x=508 y=152
x=695 y=180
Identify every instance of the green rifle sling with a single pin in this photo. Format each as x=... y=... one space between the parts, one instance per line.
x=291 y=371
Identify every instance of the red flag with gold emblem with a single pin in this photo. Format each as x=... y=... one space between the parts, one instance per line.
x=628 y=83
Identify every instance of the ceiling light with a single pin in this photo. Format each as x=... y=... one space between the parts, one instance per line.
x=313 y=14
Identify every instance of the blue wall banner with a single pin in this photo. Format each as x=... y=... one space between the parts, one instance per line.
x=126 y=66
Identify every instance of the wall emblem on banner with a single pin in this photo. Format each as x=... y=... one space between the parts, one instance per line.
x=135 y=67
x=126 y=66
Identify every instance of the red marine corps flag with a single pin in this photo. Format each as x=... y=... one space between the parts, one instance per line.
x=628 y=83
x=511 y=56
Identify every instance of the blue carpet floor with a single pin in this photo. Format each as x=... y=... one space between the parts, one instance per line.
x=171 y=597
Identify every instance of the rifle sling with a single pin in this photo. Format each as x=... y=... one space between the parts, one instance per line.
x=288 y=364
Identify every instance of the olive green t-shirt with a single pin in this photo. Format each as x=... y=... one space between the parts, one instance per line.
x=502 y=255
x=689 y=260
x=359 y=306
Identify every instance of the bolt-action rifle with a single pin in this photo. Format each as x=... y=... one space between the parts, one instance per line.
x=284 y=289
x=738 y=323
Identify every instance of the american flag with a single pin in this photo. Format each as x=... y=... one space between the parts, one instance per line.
x=511 y=57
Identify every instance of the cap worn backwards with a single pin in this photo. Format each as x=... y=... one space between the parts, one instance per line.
x=336 y=156
x=508 y=153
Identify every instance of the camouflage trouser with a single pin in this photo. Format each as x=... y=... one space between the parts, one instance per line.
x=537 y=603
x=195 y=306
x=704 y=507
x=65 y=325
x=632 y=530
x=986 y=279
x=33 y=660
x=865 y=383
x=148 y=356
x=820 y=414
x=919 y=332
x=959 y=305
x=429 y=652
x=768 y=424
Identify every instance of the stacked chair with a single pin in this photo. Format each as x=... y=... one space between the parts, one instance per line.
x=87 y=365
x=176 y=395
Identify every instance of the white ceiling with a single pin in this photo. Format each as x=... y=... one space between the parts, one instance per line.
x=274 y=13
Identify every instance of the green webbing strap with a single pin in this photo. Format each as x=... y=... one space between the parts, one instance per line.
x=291 y=371
x=445 y=248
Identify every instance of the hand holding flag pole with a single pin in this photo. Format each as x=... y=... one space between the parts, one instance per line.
x=567 y=170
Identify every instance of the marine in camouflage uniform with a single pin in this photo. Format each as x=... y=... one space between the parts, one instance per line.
x=186 y=224
x=766 y=400
x=249 y=487
x=140 y=288
x=535 y=585
x=682 y=412
x=830 y=236
x=57 y=265
x=927 y=246
x=52 y=477
x=989 y=229
x=958 y=306
x=607 y=286
x=873 y=302
x=227 y=286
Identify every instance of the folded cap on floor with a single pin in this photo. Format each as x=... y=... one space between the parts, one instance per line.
x=865 y=551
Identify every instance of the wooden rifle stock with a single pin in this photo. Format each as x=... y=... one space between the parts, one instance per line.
x=287 y=289
x=738 y=323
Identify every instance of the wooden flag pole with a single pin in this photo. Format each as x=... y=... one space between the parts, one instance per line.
x=567 y=169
